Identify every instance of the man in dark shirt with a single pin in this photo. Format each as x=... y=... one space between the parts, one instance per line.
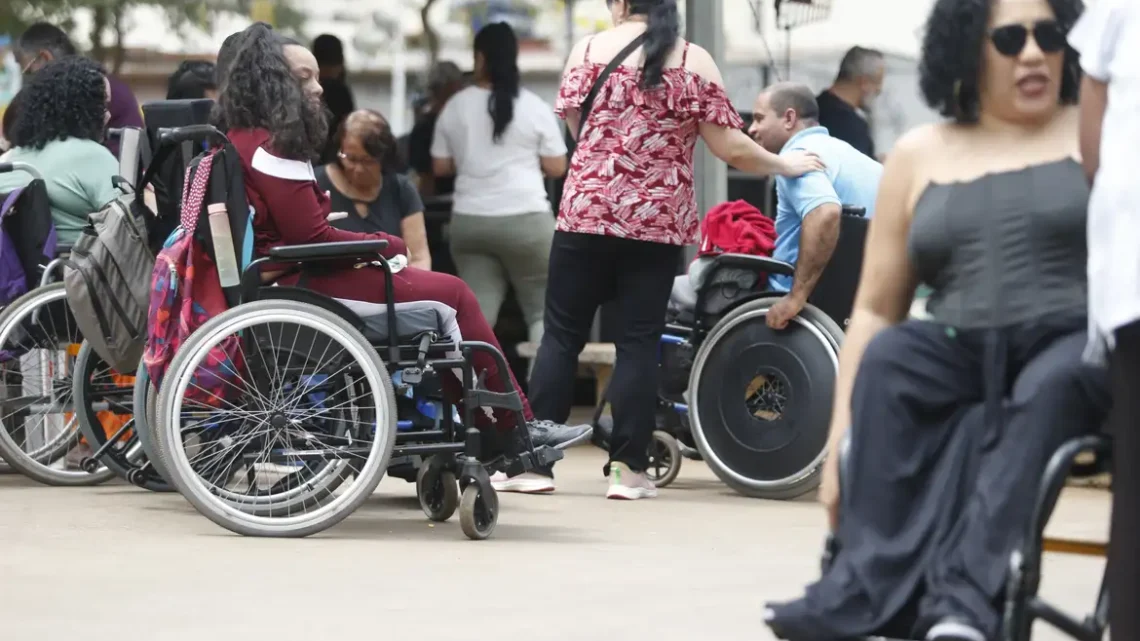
x=337 y=96
x=859 y=83
x=43 y=42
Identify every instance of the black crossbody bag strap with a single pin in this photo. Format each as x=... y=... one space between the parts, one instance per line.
x=588 y=103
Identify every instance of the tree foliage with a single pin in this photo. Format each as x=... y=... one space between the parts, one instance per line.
x=109 y=18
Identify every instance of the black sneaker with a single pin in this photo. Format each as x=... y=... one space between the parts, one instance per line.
x=560 y=437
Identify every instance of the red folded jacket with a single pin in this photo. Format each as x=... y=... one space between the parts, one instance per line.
x=737 y=228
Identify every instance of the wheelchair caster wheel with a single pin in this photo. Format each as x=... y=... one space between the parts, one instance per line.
x=134 y=477
x=664 y=459
x=438 y=492
x=478 y=512
x=89 y=465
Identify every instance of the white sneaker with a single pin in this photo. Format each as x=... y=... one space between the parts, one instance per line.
x=629 y=485
x=528 y=483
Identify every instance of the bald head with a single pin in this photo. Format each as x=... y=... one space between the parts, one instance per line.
x=782 y=110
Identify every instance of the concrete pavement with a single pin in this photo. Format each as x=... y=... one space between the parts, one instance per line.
x=116 y=563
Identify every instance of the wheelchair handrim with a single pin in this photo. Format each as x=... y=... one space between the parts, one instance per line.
x=18 y=313
x=191 y=482
x=694 y=401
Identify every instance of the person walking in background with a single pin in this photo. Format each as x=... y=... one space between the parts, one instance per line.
x=42 y=43
x=444 y=81
x=628 y=209
x=1108 y=40
x=193 y=80
x=337 y=96
x=858 y=85
x=499 y=140
x=365 y=185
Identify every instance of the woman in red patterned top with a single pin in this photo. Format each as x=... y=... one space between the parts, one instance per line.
x=270 y=106
x=628 y=209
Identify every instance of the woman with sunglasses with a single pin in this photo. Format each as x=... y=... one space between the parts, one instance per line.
x=368 y=192
x=952 y=420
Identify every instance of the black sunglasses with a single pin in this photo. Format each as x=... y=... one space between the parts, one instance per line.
x=1011 y=39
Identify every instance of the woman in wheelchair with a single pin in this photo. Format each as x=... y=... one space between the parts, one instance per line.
x=952 y=420
x=63 y=114
x=271 y=105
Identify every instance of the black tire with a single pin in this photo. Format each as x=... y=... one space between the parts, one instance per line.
x=760 y=400
x=49 y=304
x=438 y=492
x=478 y=512
x=146 y=398
x=664 y=459
x=122 y=459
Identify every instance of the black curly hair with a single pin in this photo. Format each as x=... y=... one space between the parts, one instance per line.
x=952 y=50
x=259 y=91
x=66 y=99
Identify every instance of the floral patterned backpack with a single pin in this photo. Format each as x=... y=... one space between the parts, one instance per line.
x=186 y=293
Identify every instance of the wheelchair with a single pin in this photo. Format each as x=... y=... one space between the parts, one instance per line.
x=1079 y=457
x=752 y=402
x=38 y=345
x=323 y=396
x=108 y=421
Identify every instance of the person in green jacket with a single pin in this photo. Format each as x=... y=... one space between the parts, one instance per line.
x=59 y=130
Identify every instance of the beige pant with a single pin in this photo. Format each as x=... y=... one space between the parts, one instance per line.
x=492 y=252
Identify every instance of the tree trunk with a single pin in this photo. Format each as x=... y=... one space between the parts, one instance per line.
x=120 y=53
x=430 y=36
x=99 y=19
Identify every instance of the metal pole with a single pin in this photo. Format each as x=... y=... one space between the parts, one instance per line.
x=704 y=22
x=569 y=6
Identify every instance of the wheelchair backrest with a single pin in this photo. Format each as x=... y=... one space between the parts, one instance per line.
x=227 y=185
x=168 y=177
x=835 y=291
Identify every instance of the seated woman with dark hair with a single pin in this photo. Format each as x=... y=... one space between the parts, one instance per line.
x=368 y=193
x=63 y=114
x=271 y=103
x=952 y=420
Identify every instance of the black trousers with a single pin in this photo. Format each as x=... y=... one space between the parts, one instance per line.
x=1123 y=563
x=587 y=270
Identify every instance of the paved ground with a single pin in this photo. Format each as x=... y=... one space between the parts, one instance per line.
x=118 y=563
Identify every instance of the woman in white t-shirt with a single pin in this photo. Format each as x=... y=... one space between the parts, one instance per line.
x=500 y=141
x=1108 y=39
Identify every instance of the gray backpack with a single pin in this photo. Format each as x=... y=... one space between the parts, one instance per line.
x=108 y=282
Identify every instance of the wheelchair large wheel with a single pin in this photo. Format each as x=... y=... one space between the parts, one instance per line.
x=39 y=428
x=146 y=397
x=309 y=404
x=105 y=406
x=760 y=400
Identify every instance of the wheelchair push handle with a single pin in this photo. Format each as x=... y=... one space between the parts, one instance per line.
x=9 y=167
x=856 y=212
x=189 y=133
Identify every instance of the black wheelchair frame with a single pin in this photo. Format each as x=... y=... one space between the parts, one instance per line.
x=1023 y=605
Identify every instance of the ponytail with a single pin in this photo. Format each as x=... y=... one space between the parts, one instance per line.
x=662 y=33
x=500 y=49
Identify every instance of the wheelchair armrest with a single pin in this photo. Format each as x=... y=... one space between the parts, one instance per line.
x=351 y=250
x=757 y=263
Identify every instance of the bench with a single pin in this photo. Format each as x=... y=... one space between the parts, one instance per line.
x=597 y=357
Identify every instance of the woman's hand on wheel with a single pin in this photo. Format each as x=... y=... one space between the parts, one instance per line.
x=829 y=489
x=798 y=163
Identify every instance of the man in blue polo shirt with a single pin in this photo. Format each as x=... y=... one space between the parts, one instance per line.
x=786 y=118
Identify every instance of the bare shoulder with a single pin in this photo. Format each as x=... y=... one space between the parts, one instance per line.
x=578 y=53
x=916 y=142
x=701 y=62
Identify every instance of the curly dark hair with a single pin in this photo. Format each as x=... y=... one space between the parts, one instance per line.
x=260 y=92
x=952 y=51
x=66 y=99
x=375 y=135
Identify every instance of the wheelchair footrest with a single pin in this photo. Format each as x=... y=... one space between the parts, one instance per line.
x=542 y=458
x=500 y=400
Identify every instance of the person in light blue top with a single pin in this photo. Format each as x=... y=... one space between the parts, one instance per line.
x=785 y=119
x=59 y=130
